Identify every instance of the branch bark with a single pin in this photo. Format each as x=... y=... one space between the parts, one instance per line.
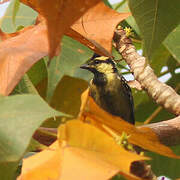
x=45 y=136
x=143 y=73
x=168 y=131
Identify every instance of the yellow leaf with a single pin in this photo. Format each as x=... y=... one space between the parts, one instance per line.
x=82 y=152
x=143 y=137
x=96 y=146
x=44 y=165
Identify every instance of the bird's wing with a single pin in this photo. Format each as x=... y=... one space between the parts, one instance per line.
x=128 y=91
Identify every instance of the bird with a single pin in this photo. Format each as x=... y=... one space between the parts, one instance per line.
x=109 y=89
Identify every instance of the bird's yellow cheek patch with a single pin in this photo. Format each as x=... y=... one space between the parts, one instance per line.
x=105 y=68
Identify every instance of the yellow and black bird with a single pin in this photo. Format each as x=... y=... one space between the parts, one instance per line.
x=109 y=89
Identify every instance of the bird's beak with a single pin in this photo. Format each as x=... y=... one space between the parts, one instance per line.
x=85 y=66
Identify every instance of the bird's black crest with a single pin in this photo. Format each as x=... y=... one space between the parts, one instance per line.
x=95 y=56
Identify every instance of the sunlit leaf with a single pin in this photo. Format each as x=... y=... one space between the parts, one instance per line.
x=16 y=6
x=143 y=137
x=25 y=16
x=60 y=17
x=44 y=165
x=97 y=26
x=97 y=154
x=97 y=148
x=19 y=53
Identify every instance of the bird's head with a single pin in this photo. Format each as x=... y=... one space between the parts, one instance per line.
x=100 y=64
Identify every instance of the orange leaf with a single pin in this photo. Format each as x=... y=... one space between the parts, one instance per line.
x=97 y=148
x=59 y=16
x=84 y=152
x=97 y=26
x=18 y=52
x=91 y=19
x=64 y=163
x=80 y=164
x=44 y=165
x=92 y=45
x=4 y=36
x=143 y=137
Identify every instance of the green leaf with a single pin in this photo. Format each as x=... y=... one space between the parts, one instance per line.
x=172 y=64
x=24 y=17
x=38 y=72
x=20 y=116
x=106 y=2
x=159 y=59
x=35 y=146
x=116 y=6
x=172 y=42
x=25 y=86
x=165 y=166
x=16 y=5
x=118 y=177
x=67 y=98
x=156 y=19
x=139 y=97
x=130 y=20
x=174 y=81
x=145 y=106
x=8 y=170
x=73 y=54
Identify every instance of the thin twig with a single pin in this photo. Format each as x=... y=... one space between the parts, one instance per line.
x=153 y=115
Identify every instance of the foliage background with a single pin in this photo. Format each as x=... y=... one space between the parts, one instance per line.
x=57 y=88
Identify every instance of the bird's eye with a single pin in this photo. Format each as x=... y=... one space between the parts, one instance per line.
x=96 y=62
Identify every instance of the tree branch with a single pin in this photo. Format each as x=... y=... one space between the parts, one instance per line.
x=143 y=73
x=45 y=136
x=168 y=131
